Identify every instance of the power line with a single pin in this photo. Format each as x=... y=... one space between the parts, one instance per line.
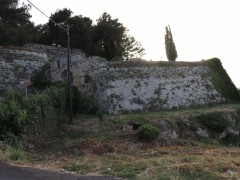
x=68 y=62
x=47 y=16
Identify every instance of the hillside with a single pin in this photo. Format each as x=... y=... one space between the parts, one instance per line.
x=109 y=146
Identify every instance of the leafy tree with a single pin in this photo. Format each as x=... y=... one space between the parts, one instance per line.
x=80 y=31
x=42 y=34
x=15 y=26
x=112 y=41
x=58 y=35
x=132 y=48
x=170 y=45
x=108 y=37
x=10 y=13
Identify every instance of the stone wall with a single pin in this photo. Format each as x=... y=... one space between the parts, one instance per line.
x=118 y=87
x=147 y=86
x=18 y=64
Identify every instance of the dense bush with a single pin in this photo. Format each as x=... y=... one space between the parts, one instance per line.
x=12 y=118
x=39 y=114
x=148 y=132
x=33 y=114
x=215 y=121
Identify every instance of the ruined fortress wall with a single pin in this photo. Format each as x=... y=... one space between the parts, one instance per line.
x=18 y=64
x=152 y=86
x=117 y=87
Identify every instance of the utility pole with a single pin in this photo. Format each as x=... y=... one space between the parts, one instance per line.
x=70 y=113
x=69 y=78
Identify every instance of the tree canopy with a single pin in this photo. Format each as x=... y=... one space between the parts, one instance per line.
x=171 y=51
x=133 y=48
x=113 y=42
x=108 y=38
x=15 y=25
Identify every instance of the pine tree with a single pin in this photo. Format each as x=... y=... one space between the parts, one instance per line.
x=15 y=25
x=171 y=51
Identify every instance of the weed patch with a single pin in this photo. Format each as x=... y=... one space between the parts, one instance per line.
x=215 y=121
x=126 y=170
x=17 y=155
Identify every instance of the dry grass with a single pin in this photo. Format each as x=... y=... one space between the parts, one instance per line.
x=93 y=147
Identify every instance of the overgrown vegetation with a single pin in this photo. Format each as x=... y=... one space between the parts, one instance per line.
x=36 y=114
x=215 y=121
x=39 y=114
x=104 y=148
x=83 y=104
x=222 y=81
x=39 y=78
x=17 y=155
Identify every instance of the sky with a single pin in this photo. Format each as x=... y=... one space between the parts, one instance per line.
x=201 y=29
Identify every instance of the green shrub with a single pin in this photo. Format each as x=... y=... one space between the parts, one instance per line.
x=13 y=118
x=13 y=140
x=231 y=139
x=39 y=114
x=148 y=132
x=214 y=121
x=33 y=114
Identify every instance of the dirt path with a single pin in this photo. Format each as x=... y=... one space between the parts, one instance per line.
x=11 y=172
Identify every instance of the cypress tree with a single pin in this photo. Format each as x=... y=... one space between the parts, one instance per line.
x=171 y=51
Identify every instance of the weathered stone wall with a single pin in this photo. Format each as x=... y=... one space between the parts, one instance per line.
x=118 y=87
x=18 y=64
x=148 y=86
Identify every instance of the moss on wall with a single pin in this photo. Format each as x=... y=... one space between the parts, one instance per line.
x=222 y=81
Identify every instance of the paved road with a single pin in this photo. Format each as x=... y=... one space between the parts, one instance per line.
x=10 y=172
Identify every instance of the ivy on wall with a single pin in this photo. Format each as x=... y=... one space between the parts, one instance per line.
x=222 y=81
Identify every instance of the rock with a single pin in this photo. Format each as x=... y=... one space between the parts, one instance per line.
x=135 y=125
x=127 y=128
x=202 y=133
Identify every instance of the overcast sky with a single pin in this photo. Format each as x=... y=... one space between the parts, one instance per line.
x=201 y=29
